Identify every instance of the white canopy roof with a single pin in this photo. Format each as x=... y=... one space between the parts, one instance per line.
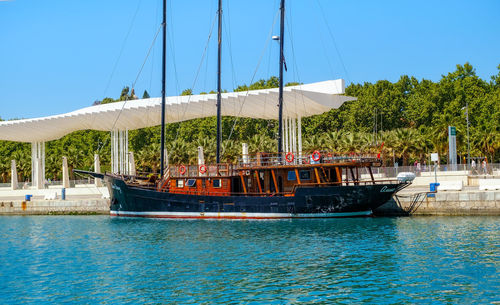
x=299 y=101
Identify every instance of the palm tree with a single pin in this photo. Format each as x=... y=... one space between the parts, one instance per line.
x=4 y=168
x=230 y=151
x=261 y=143
x=178 y=152
x=209 y=149
x=488 y=142
x=406 y=142
x=314 y=142
x=333 y=140
x=350 y=143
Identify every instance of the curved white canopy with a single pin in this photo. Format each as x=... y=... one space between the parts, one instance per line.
x=299 y=101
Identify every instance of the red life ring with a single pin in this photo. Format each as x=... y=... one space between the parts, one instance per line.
x=182 y=169
x=202 y=169
x=316 y=156
x=289 y=157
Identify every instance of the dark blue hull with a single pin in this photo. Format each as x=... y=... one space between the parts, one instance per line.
x=329 y=201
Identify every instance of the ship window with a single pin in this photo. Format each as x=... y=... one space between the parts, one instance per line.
x=180 y=183
x=216 y=183
x=305 y=175
x=191 y=182
x=291 y=176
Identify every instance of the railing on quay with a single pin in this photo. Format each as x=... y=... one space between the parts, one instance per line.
x=49 y=183
x=490 y=169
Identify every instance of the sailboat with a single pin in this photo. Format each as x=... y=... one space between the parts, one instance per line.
x=264 y=186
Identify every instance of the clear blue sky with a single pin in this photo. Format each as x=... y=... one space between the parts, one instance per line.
x=58 y=55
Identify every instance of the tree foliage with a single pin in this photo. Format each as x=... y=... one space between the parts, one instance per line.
x=412 y=118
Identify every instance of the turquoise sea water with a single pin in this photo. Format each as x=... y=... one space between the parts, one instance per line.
x=103 y=260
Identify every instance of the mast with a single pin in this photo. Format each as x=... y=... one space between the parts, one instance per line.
x=219 y=48
x=280 y=99
x=164 y=47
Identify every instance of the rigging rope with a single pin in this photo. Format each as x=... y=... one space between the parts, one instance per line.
x=333 y=40
x=253 y=77
x=147 y=55
x=197 y=72
x=122 y=47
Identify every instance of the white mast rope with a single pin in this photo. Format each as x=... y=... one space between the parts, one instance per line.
x=197 y=73
x=147 y=56
x=122 y=47
x=157 y=18
x=253 y=77
x=297 y=74
x=333 y=40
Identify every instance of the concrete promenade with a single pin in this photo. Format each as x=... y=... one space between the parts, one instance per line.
x=81 y=199
x=469 y=201
x=89 y=199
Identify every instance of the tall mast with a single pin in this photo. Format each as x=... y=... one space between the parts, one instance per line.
x=164 y=47
x=218 y=82
x=280 y=99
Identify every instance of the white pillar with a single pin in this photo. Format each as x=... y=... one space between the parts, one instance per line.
x=38 y=164
x=245 y=157
x=299 y=136
x=13 y=175
x=40 y=176
x=97 y=169
x=131 y=161
x=119 y=152
x=201 y=160
x=293 y=132
x=285 y=126
x=127 y=155
x=65 y=174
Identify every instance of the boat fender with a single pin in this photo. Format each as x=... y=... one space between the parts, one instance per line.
x=289 y=157
x=316 y=156
x=202 y=169
x=182 y=169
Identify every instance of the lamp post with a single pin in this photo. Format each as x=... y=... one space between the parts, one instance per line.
x=468 y=141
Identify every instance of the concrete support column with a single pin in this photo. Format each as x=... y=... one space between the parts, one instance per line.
x=299 y=136
x=119 y=152
x=285 y=126
x=97 y=169
x=131 y=161
x=65 y=176
x=201 y=160
x=245 y=156
x=38 y=164
x=13 y=175
x=40 y=174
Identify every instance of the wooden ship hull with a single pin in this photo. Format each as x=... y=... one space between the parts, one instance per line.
x=322 y=190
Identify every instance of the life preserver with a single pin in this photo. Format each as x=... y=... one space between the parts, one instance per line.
x=182 y=169
x=202 y=169
x=247 y=173
x=289 y=157
x=316 y=156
